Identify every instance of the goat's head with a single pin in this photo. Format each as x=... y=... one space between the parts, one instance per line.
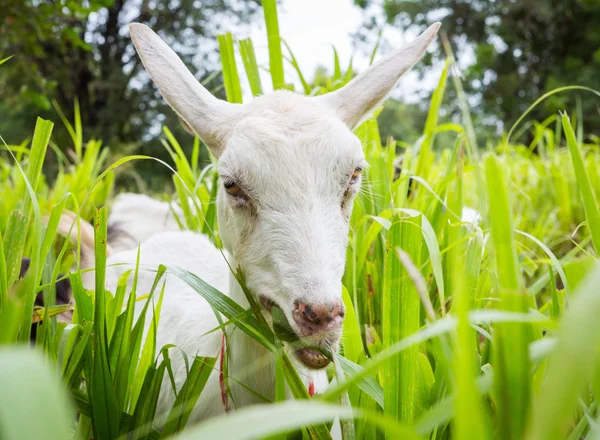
x=290 y=167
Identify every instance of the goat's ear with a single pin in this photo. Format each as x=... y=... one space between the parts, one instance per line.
x=356 y=101
x=207 y=116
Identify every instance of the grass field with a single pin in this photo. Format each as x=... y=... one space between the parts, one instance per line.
x=454 y=330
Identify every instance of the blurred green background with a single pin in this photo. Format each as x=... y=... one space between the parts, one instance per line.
x=511 y=51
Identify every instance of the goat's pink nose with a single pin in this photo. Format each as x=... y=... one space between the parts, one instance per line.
x=317 y=318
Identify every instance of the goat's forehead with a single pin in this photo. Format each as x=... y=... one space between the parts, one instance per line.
x=284 y=128
x=287 y=107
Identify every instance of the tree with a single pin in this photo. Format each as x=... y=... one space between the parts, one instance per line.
x=67 y=50
x=522 y=50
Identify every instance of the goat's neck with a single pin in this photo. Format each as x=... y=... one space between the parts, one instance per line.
x=235 y=291
x=249 y=362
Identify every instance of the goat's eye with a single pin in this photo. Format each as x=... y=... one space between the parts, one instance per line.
x=351 y=188
x=235 y=193
x=356 y=174
x=233 y=189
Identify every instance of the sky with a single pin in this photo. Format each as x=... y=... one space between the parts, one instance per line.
x=310 y=27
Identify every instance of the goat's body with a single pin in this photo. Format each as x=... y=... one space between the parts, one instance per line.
x=185 y=317
x=135 y=218
x=186 y=321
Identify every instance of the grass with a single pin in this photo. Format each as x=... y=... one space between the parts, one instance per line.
x=454 y=330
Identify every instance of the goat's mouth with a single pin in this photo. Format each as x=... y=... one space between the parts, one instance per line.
x=310 y=356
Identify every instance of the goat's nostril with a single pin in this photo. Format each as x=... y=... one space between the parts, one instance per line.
x=316 y=318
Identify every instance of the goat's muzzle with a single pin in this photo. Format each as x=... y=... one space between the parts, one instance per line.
x=318 y=329
x=315 y=319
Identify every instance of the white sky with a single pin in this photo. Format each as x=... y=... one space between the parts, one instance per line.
x=310 y=27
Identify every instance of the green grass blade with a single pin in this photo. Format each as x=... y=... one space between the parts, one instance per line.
x=11 y=318
x=33 y=404
x=28 y=287
x=433 y=249
x=100 y=241
x=572 y=363
x=3 y=275
x=52 y=225
x=144 y=413
x=84 y=305
x=188 y=394
x=251 y=66
x=78 y=141
x=368 y=385
x=225 y=305
x=431 y=123
x=305 y=85
x=116 y=309
x=274 y=40
x=590 y=203
x=443 y=411
x=401 y=318
x=299 y=391
x=4 y=60
x=511 y=341
x=14 y=244
x=39 y=145
x=543 y=98
x=262 y=421
x=106 y=412
x=434 y=330
x=149 y=346
x=67 y=343
x=231 y=77
x=351 y=339
x=471 y=420
x=123 y=345
x=76 y=359
x=66 y=123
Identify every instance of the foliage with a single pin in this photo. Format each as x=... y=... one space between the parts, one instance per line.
x=454 y=329
x=67 y=50
x=521 y=49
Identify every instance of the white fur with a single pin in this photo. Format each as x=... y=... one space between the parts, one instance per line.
x=136 y=217
x=293 y=156
x=185 y=316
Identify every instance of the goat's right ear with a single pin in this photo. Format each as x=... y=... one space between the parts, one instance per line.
x=355 y=102
x=208 y=117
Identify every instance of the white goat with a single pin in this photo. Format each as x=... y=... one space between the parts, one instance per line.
x=290 y=167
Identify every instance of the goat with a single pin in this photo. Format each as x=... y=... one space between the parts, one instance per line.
x=136 y=217
x=133 y=219
x=289 y=168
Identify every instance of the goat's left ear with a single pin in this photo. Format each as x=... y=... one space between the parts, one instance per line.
x=356 y=101
x=201 y=113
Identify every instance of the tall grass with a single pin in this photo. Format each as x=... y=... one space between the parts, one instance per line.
x=453 y=330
